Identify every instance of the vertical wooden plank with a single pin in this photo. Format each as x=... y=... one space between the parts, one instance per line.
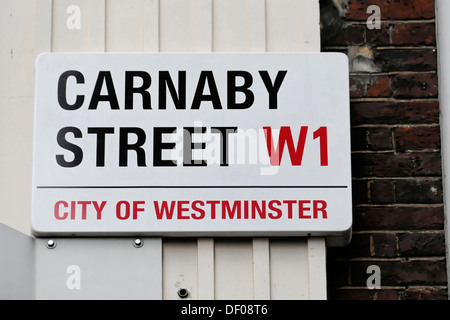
x=97 y=21
x=205 y=274
x=233 y=269
x=151 y=26
x=284 y=25
x=176 y=23
x=261 y=269
x=124 y=26
x=43 y=29
x=310 y=29
x=317 y=269
x=289 y=269
x=258 y=25
x=203 y=25
x=231 y=32
x=179 y=268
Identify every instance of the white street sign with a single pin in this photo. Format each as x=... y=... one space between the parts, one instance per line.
x=176 y=144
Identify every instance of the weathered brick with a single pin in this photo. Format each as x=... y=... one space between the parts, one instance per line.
x=379 y=88
x=379 y=138
x=350 y=34
x=420 y=244
x=378 y=37
x=353 y=294
x=409 y=112
x=359 y=191
x=411 y=34
x=398 y=218
x=418 y=191
x=383 y=245
x=392 y=10
x=415 y=86
x=396 y=165
x=371 y=138
x=390 y=60
x=415 y=138
x=382 y=191
x=424 y=294
x=401 y=273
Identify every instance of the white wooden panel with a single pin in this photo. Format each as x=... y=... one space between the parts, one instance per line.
x=289 y=269
x=179 y=268
x=17 y=48
x=261 y=269
x=317 y=269
x=151 y=26
x=43 y=26
x=231 y=25
x=289 y=25
x=184 y=24
x=16 y=141
x=125 y=26
x=233 y=269
x=77 y=26
x=205 y=269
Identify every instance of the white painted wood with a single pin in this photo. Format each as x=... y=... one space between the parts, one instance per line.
x=259 y=268
x=233 y=269
x=97 y=24
x=289 y=269
x=151 y=26
x=205 y=268
x=43 y=27
x=317 y=269
x=179 y=268
x=124 y=26
x=258 y=25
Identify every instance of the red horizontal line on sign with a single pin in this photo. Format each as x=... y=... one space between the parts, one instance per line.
x=191 y=187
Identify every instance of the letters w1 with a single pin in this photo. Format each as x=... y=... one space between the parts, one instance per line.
x=295 y=152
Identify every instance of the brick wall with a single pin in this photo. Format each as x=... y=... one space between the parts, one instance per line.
x=397 y=178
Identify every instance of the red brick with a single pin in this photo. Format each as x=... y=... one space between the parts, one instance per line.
x=382 y=191
x=425 y=294
x=401 y=273
x=352 y=294
x=398 y=218
x=415 y=138
x=372 y=138
x=415 y=86
x=405 y=112
x=393 y=9
x=384 y=245
x=379 y=88
x=414 y=34
x=360 y=192
x=379 y=138
x=396 y=165
x=418 y=191
x=350 y=34
x=421 y=244
x=392 y=60
x=378 y=37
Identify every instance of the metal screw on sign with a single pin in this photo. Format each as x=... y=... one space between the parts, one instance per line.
x=183 y=293
x=138 y=243
x=51 y=244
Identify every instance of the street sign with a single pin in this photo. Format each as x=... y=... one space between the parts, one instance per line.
x=177 y=144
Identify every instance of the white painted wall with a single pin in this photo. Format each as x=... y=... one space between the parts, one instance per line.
x=208 y=268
